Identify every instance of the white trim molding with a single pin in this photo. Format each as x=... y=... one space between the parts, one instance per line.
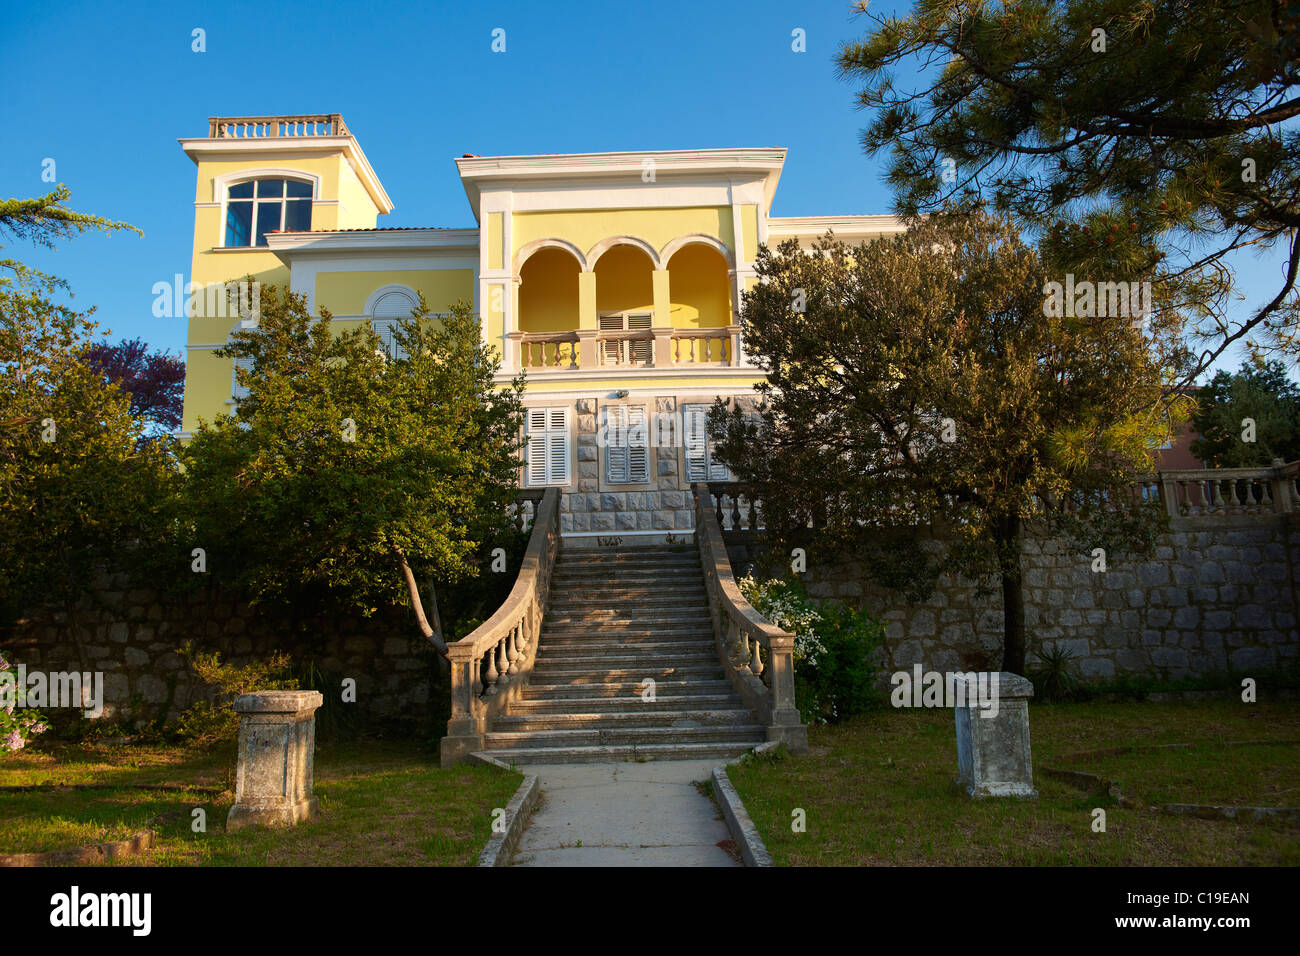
x=528 y=248
x=698 y=238
x=602 y=247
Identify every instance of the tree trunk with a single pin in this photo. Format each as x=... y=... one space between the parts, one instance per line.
x=433 y=634
x=1007 y=536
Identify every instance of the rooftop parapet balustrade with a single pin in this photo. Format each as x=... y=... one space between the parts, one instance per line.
x=265 y=127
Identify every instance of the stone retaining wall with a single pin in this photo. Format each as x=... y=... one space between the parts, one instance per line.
x=132 y=636
x=1215 y=596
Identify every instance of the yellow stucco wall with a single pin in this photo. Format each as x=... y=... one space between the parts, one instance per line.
x=700 y=288
x=345 y=293
x=548 y=292
x=623 y=281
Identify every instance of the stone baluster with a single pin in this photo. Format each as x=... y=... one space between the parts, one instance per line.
x=756 y=662
x=503 y=663
x=490 y=675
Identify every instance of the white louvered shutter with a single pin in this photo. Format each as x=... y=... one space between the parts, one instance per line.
x=700 y=465
x=640 y=349
x=627 y=452
x=612 y=352
x=616 y=460
x=557 y=448
x=239 y=392
x=547 y=452
x=391 y=308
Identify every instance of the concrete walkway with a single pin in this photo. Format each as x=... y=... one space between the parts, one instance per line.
x=624 y=814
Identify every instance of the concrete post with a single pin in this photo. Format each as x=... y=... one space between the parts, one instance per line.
x=277 y=744
x=993 y=755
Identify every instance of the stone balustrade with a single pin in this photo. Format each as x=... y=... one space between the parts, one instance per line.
x=258 y=127
x=491 y=665
x=758 y=655
x=592 y=348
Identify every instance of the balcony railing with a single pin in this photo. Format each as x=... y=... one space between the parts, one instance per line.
x=251 y=127
x=590 y=348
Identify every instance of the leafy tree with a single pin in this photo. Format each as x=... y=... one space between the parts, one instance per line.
x=45 y=219
x=1142 y=137
x=346 y=477
x=76 y=493
x=154 y=380
x=917 y=381
x=1261 y=392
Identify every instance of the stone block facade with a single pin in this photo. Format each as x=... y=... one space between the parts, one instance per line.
x=595 y=511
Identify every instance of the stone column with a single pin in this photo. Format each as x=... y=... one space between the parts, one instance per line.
x=277 y=743
x=993 y=756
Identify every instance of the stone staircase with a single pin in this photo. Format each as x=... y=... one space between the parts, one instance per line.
x=613 y=620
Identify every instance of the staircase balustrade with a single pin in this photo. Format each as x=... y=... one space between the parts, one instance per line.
x=758 y=656
x=491 y=665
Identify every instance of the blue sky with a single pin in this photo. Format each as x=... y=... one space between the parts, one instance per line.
x=418 y=84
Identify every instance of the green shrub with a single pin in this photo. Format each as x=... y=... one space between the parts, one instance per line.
x=835 y=649
x=1053 y=676
x=209 y=723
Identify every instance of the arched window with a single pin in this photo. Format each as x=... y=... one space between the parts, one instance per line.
x=258 y=206
x=389 y=306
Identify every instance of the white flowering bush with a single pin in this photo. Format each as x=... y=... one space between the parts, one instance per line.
x=18 y=723
x=834 y=648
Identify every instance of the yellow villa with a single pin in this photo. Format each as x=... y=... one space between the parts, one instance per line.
x=611 y=279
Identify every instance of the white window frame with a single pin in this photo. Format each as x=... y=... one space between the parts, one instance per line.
x=697 y=448
x=547 y=447
x=246 y=176
x=627 y=444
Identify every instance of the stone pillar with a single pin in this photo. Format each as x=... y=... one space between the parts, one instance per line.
x=277 y=743
x=993 y=756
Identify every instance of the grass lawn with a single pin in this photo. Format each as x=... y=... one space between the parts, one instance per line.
x=381 y=803
x=878 y=790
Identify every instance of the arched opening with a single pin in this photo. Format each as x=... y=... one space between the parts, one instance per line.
x=699 y=287
x=548 y=291
x=625 y=303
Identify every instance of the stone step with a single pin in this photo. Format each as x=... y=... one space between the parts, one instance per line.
x=629 y=556
x=604 y=649
x=629 y=704
x=536 y=689
x=659 y=611
x=608 y=618
x=628 y=566
x=640 y=736
x=610 y=720
x=550 y=755
x=641 y=579
x=561 y=674
x=625 y=663
x=624 y=636
x=662 y=597
x=623 y=592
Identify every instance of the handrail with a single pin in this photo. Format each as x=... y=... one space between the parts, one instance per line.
x=491 y=665
x=758 y=655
